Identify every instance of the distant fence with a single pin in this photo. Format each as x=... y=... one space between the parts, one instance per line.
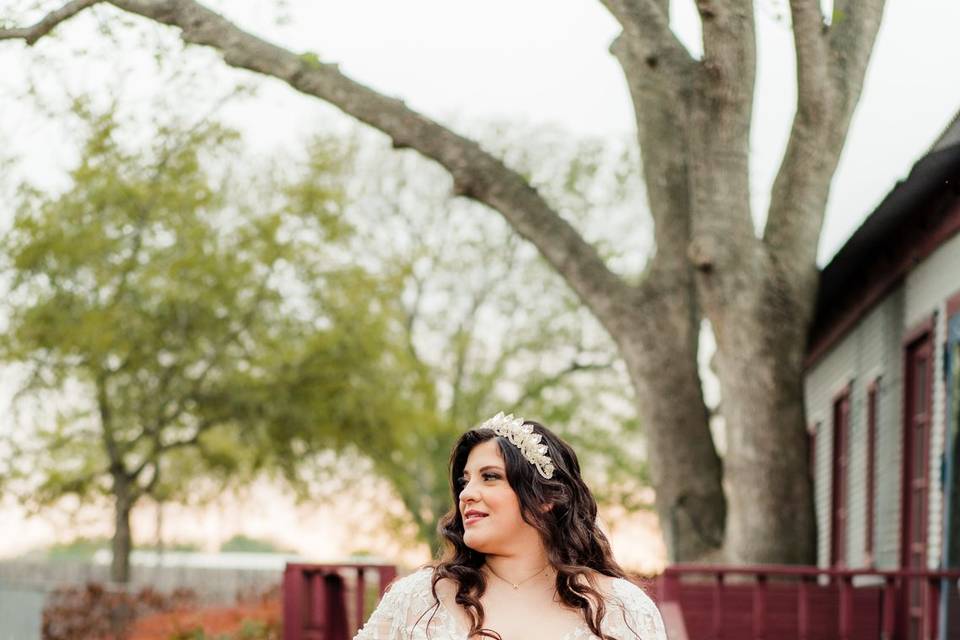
x=808 y=603
x=331 y=602
x=212 y=585
x=21 y=612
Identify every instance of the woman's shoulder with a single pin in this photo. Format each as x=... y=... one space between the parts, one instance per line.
x=629 y=592
x=638 y=610
x=415 y=582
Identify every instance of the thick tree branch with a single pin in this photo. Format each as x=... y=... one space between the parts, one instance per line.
x=49 y=22
x=658 y=81
x=721 y=114
x=800 y=190
x=831 y=67
x=476 y=173
x=811 y=46
x=649 y=21
x=852 y=36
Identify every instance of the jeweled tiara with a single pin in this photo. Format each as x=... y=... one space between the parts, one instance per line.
x=524 y=438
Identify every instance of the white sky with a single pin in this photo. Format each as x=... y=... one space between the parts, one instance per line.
x=546 y=61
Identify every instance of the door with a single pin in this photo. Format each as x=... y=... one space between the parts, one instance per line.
x=918 y=385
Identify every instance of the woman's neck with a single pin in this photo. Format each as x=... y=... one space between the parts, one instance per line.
x=521 y=568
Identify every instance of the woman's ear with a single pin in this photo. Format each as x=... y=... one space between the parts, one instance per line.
x=547 y=506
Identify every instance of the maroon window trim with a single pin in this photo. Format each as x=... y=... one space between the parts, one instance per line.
x=918 y=348
x=953 y=305
x=841 y=478
x=872 y=397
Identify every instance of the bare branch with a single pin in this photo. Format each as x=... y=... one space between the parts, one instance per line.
x=539 y=386
x=31 y=34
x=657 y=82
x=830 y=73
x=464 y=335
x=729 y=51
x=853 y=32
x=476 y=173
x=723 y=235
x=647 y=21
x=810 y=43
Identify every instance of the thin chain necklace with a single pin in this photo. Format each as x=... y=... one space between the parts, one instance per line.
x=516 y=585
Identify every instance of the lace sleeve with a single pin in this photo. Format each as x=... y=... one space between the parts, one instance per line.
x=389 y=621
x=640 y=614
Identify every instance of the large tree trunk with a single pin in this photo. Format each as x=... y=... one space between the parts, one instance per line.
x=771 y=516
x=683 y=463
x=122 y=541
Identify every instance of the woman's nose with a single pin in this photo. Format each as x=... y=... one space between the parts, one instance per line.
x=468 y=493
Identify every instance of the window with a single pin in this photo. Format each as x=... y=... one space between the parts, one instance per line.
x=871 y=488
x=841 y=467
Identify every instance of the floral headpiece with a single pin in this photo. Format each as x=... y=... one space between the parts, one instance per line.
x=523 y=437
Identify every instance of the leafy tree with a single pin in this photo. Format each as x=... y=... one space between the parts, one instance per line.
x=174 y=319
x=489 y=327
x=246 y=544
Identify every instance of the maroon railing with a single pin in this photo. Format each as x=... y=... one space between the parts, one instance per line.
x=329 y=601
x=804 y=603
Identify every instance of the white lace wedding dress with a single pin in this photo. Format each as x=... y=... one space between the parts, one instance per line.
x=397 y=615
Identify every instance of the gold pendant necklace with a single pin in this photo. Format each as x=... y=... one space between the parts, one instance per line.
x=516 y=585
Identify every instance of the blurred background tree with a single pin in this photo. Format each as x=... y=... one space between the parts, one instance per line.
x=181 y=315
x=489 y=326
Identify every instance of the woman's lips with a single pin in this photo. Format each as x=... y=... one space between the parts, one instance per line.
x=473 y=519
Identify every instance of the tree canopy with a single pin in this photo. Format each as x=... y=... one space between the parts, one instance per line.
x=182 y=322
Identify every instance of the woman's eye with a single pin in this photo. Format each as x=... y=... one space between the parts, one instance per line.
x=463 y=481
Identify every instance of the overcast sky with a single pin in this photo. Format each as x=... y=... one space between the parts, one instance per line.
x=547 y=61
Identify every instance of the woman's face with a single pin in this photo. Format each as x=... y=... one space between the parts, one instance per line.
x=497 y=527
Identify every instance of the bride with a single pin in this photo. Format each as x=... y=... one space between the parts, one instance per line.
x=524 y=559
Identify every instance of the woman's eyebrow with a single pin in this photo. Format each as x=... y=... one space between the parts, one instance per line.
x=484 y=468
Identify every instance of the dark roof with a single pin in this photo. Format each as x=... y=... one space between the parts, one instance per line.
x=936 y=172
x=950 y=136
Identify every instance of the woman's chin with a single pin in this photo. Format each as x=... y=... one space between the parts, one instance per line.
x=474 y=541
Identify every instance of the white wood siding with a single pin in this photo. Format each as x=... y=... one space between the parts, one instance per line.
x=874 y=348
x=869 y=351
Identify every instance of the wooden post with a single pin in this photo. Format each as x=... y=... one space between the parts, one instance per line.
x=846 y=606
x=387 y=575
x=803 y=609
x=359 y=598
x=718 y=606
x=293 y=601
x=760 y=608
x=933 y=607
x=336 y=607
x=889 y=608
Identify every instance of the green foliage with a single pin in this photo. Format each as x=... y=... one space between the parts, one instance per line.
x=181 y=322
x=244 y=544
x=310 y=59
x=489 y=326
x=80 y=549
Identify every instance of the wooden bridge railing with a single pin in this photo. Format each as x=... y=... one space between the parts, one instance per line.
x=806 y=603
x=329 y=601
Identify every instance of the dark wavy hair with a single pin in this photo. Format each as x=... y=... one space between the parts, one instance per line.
x=575 y=546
